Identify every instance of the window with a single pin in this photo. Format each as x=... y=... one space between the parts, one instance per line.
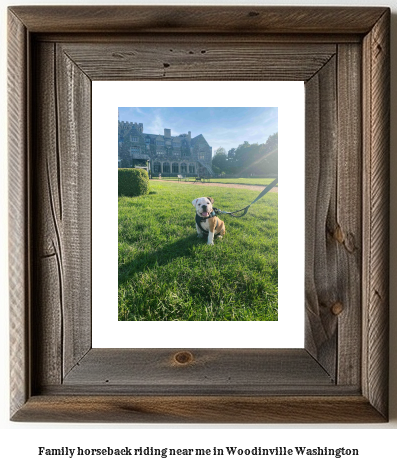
x=160 y=152
x=183 y=168
x=135 y=150
x=192 y=169
x=201 y=155
x=160 y=143
x=134 y=139
x=157 y=167
x=176 y=144
x=147 y=140
x=166 y=167
x=176 y=154
x=175 y=168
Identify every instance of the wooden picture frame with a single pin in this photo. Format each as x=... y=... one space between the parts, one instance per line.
x=342 y=54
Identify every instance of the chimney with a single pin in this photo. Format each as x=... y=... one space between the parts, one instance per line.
x=167 y=132
x=189 y=135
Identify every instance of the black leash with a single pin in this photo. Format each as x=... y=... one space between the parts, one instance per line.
x=263 y=193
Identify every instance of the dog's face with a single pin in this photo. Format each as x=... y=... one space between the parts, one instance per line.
x=203 y=206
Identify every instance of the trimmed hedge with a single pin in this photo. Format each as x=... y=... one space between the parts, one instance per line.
x=133 y=182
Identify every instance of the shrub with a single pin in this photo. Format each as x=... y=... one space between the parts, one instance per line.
x=133 y=182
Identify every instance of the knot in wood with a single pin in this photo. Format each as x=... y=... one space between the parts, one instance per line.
x=337 y=308
x=183 y=358
x=338 y=235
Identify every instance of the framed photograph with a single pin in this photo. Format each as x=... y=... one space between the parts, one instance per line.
x=166 y=272
x=340 y=374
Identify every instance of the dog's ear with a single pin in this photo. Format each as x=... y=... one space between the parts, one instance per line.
x=194 y=202
x=211 y=199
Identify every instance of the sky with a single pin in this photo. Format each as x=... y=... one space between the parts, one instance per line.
x=221 y=127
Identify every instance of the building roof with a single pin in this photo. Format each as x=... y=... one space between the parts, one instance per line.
x=161 y=137
x=199 y=138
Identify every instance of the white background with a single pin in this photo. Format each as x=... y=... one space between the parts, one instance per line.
x=288 y=330
x=19 y=442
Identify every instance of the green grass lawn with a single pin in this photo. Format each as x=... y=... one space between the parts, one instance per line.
x=167 y=273
x=243 y=181
x=239 y=181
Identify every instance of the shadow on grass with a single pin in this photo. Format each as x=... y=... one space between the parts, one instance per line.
x=146 y=260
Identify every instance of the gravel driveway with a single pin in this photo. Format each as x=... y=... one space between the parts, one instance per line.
x=229 y=185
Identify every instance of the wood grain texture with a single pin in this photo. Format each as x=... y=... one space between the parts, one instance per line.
x=376 y=92
x=206 y=60
x=341 y=376
x=62 y=206
x=48 y=279
x=73 y=90
x=199 y=409
x=347 y=225
x=322 y=287
x=195 y=39
x=19 y=224
x=252 y=369
x=199 y=19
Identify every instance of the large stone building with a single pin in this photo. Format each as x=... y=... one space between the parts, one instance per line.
x=164 y=153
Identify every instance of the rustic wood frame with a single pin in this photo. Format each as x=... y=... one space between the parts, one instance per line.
x=343 y=56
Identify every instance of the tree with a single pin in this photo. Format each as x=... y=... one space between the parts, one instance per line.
x=231 y=155
x=219 y=161
x=248 y=159
x=272 y=142
x=220 y=151
x=271 y=155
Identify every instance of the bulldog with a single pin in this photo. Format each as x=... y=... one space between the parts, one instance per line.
x=206 y=221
